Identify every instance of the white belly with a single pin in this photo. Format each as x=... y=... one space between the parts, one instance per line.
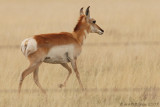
x=60 y=54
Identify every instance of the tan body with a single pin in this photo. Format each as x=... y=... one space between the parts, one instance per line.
x=57 y=48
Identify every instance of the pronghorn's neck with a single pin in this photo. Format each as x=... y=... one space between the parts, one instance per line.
x=81 y=35
x=81 y=30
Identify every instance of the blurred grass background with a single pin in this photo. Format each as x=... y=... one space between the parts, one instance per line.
x=121 y=66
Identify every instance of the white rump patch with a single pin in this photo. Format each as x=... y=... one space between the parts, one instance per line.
x=28 y=46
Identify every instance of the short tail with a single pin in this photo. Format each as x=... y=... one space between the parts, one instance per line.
x=28 y=46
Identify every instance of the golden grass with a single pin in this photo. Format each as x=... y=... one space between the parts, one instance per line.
x=120 y=67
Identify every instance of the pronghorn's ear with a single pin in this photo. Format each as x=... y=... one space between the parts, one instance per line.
x=81 y=11
x=87 y=12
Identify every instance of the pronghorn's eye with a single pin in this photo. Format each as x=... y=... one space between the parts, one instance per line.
x=94 y=21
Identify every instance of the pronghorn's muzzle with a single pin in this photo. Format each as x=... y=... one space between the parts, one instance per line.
x=101 y=31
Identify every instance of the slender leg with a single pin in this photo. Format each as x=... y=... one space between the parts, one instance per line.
x=26 y=72
x=65 y=65
x=74 y=65
x=36 y=80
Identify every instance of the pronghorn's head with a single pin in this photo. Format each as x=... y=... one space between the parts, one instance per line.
x=90 y=23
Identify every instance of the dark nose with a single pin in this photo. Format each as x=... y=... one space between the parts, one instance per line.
x=102 y=30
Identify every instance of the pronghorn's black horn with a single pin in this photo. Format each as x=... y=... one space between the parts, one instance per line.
x=81 y=11
x=87 y=11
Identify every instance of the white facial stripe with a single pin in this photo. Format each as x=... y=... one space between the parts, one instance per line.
x=92 y=29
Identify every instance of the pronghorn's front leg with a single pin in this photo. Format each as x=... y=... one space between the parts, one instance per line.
x=26 y=72
x=65 y=65
x=74 y=65
x=36 y=80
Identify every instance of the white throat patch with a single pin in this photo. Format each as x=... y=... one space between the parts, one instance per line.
x=85 y=34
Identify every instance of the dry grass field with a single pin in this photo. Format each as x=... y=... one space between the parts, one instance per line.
x=121 y=68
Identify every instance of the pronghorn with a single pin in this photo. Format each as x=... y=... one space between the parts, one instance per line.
x=58 y=48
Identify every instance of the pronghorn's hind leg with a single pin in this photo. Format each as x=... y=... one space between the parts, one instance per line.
x=74 y=66
x=65 y=65
x=26 y=72
x=36 y=80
